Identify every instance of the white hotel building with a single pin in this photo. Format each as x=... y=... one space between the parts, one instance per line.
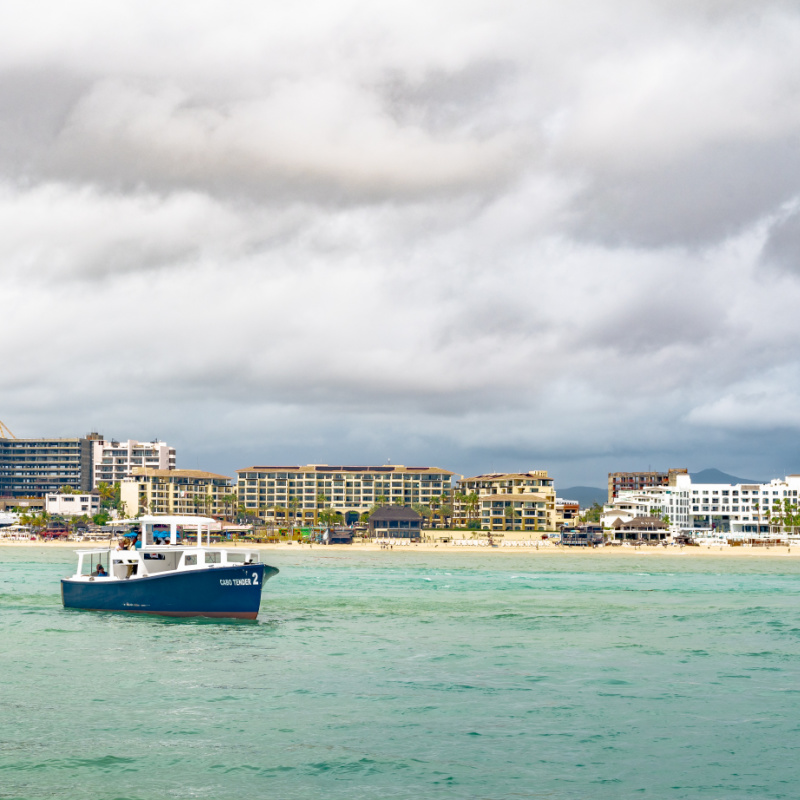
x=741 y=510
x=114 y=461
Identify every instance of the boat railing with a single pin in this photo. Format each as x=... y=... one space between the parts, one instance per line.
x=156 y=559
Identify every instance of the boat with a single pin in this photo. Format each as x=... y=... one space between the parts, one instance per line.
x=172 y=571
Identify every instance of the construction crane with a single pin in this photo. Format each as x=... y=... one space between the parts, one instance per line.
x=5 y=433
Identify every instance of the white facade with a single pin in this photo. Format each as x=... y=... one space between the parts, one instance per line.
x=72 y=505
x=672 y=502
x=742 y=510
x=114 y=461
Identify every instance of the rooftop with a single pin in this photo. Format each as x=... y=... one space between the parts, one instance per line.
x=325 y=468
x=538 y=474
x=394 y=512
x=147 y=472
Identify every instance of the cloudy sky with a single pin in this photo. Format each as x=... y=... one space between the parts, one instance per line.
x=477 y=235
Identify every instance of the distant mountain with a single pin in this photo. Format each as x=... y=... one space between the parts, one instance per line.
x=717 y=476
x=585 y=495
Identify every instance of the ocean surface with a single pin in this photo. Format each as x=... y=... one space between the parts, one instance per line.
x=401 y=675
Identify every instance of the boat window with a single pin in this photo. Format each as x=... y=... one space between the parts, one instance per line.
x=236 y=558
x=190 y=560
x=213 y=558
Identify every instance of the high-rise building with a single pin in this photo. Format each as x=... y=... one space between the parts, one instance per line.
x=114 y=461
x=36 y=467
x=301 y=493
x=632 y=481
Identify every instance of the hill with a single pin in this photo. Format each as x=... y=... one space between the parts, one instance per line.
x=717 y=476
x=585 y=495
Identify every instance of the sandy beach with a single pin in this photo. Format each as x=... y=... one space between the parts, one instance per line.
x=542 y=551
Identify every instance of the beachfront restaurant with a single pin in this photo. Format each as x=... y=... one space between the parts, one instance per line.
x=643 y=529
x=395 y=522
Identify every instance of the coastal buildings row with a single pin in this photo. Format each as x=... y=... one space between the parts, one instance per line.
x=522 y=502
x=33 y=468
x=742 y=510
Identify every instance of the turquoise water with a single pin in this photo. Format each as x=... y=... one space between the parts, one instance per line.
x=396 y=675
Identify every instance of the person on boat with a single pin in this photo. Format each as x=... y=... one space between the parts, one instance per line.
x=122 y=544
x=100 y=572
x=136 y=542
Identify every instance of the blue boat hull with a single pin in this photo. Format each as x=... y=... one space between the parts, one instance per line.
x=230 y=591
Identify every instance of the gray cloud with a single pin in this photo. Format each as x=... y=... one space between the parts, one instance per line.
x=782 y=246
x=483 y=236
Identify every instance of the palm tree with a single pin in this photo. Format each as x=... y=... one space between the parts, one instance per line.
x=293 y=504
x=775 y=516
x=229 y=502
x=472 y=501
x=330 y=517
x=106 y=493
x=433 y=504
x=422 y=510
x=510 y=514
x=322 y=500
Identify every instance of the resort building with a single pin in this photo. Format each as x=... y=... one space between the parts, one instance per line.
x=632 y=481
x=670 y=502
x=302 y=494
x=37 y=467
x=176 y=491
x=73 y=505
x=113 y=461
x=506 y=501
x=743 y=510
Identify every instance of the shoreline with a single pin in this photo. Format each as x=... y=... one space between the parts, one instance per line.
x=657 y=551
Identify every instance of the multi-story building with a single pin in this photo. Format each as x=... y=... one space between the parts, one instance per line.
x=506 y=501
x=568 y=512
x=742 y=510
x=73 y=505
x=176 y=491
x=37 y=467
x=631 y=481
x=671 y=502
x=114 y=461
x=302 y=493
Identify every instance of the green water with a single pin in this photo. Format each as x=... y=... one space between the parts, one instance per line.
x=395 y=675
